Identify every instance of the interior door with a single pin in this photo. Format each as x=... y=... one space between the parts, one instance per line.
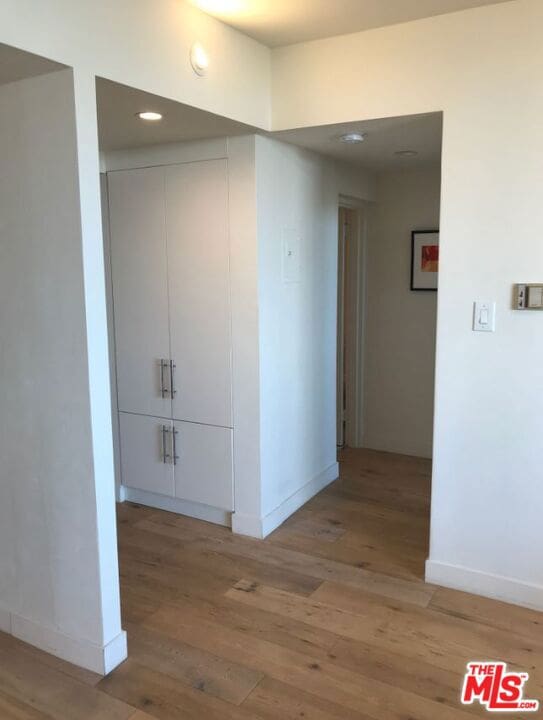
x=199 y=287
x=147 y=453
x=140 y=290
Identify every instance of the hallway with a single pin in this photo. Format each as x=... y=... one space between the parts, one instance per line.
x=329 y=618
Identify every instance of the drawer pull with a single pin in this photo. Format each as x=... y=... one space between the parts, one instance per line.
x=166 y=457
x=175 y=433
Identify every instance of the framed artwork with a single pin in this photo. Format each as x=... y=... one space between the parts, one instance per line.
x=424 y=259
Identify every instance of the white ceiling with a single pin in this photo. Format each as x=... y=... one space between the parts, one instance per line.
x=283 y=22
x=384 y=137
x=119 y=127
x=18 y=65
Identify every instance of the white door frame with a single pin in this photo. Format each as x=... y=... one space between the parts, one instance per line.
x=356 y=267
x=340 y=355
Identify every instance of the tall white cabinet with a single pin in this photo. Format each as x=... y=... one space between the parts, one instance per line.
x=171 y=300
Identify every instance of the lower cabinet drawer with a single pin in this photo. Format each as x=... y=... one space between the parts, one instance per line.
x=204 y=471
x=143 y=464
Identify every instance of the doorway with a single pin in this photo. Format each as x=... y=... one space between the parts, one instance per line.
x=350 y=322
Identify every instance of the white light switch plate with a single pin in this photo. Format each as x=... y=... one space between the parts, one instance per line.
x=484 y=316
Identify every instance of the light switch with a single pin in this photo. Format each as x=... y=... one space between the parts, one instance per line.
x=484 y=316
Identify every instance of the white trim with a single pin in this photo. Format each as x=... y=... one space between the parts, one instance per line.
x=489 y=585
x=289 y=506
x=165 y=154
x=354 y=430
x=101 y=660
x=360 y=328
x=5 y=621
x=250 y=525
x=175 y=505
x=262 y=527
x=115 y=652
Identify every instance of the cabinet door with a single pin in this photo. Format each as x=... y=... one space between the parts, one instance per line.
x=203 y=472
x=199 y=285
x=140 y=289
x=146 y=453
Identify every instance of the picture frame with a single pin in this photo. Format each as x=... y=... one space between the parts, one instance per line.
x=424 y=260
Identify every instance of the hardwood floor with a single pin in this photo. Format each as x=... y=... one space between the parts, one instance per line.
x=327 y=619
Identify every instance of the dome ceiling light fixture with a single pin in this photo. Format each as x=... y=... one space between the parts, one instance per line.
x=199 y=59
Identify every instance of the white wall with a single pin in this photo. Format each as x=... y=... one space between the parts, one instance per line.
x=298 y=195
x=53 y=580
x=399 y=344
x=481 y=67
x=146 y=44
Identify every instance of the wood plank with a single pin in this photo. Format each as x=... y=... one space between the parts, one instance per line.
x=137 y=607
x=188 y=550
x=325 y=679
x=383 y=560
x=274 y=700
x=412 y=674
x=53 y=692
x=257 y=623
x=447 y=642
x=311 y=527
x=370 y=518
x=197 y=668
x=481 y=610
x=13 y=709
x=11 y=644
x=130 y=513
x=202 y=572
x=415 y=592
x=159 y=696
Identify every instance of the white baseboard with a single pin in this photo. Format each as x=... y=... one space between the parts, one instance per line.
x=5 y=621
x=289 y=506
x=263 y=526
x=396 y=449
x=250 y=525
x=175 y=505
x=489 y=585
x=115 y=652
x=99 y=659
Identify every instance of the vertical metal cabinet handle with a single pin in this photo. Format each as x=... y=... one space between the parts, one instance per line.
x=173 y=367
x=165 y=455
x=175 y=433
x=163 y=389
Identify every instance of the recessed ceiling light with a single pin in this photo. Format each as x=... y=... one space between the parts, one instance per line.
x=406 y=153
x=352 y=138
x=148 y=115
x=199 y=59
